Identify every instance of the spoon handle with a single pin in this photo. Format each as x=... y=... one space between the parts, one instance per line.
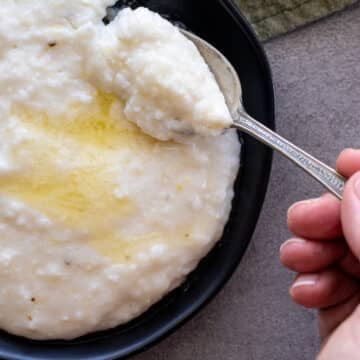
x=327 y=176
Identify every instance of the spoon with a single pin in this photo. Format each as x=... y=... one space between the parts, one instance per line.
x=230 y=85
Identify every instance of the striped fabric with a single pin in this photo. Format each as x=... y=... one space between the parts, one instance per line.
x=274 y=17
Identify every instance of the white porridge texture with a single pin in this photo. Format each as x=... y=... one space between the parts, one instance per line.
x=99 y=220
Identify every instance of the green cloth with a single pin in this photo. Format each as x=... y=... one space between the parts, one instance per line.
x=275 y=17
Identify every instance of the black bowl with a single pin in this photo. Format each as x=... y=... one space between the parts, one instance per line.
x=219 y=22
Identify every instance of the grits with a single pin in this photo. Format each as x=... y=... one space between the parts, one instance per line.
x=98 y=220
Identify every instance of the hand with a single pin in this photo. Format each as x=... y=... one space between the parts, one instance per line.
x=325 y=253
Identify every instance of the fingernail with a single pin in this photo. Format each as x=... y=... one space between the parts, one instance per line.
x=304 y=202
x=292 y=241
x=353 y=149
x=305 y=280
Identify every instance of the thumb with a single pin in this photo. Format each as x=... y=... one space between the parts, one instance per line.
x=344 y=343
x=350 y=214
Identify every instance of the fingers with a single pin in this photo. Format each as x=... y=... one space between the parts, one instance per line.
x=317 y=219
x=323 y=289
x=348 y=162
x=329 y=269
x=350 y=213
x=306 y=256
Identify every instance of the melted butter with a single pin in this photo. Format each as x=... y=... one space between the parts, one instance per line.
x=101 y=124
x=122 y=250
x=81 y=194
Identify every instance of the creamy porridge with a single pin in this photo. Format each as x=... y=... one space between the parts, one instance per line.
x=99 y=220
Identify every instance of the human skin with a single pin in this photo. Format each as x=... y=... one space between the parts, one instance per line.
x=325 y=253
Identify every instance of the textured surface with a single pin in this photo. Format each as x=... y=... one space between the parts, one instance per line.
x=317 y=77
x=274 y=17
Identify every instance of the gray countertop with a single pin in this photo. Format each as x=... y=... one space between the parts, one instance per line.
x=317 y=80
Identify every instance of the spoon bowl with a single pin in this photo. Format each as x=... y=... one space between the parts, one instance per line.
x=230 y=85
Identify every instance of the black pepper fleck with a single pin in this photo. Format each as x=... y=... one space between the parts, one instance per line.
x=33 y=299
x=52 y=43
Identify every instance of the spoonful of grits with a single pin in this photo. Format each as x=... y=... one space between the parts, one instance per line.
x=179 y=90
x=230 y=86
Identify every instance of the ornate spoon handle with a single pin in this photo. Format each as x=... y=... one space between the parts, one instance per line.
x=327 y=176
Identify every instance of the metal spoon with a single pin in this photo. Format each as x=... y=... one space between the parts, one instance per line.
x=230 y=85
